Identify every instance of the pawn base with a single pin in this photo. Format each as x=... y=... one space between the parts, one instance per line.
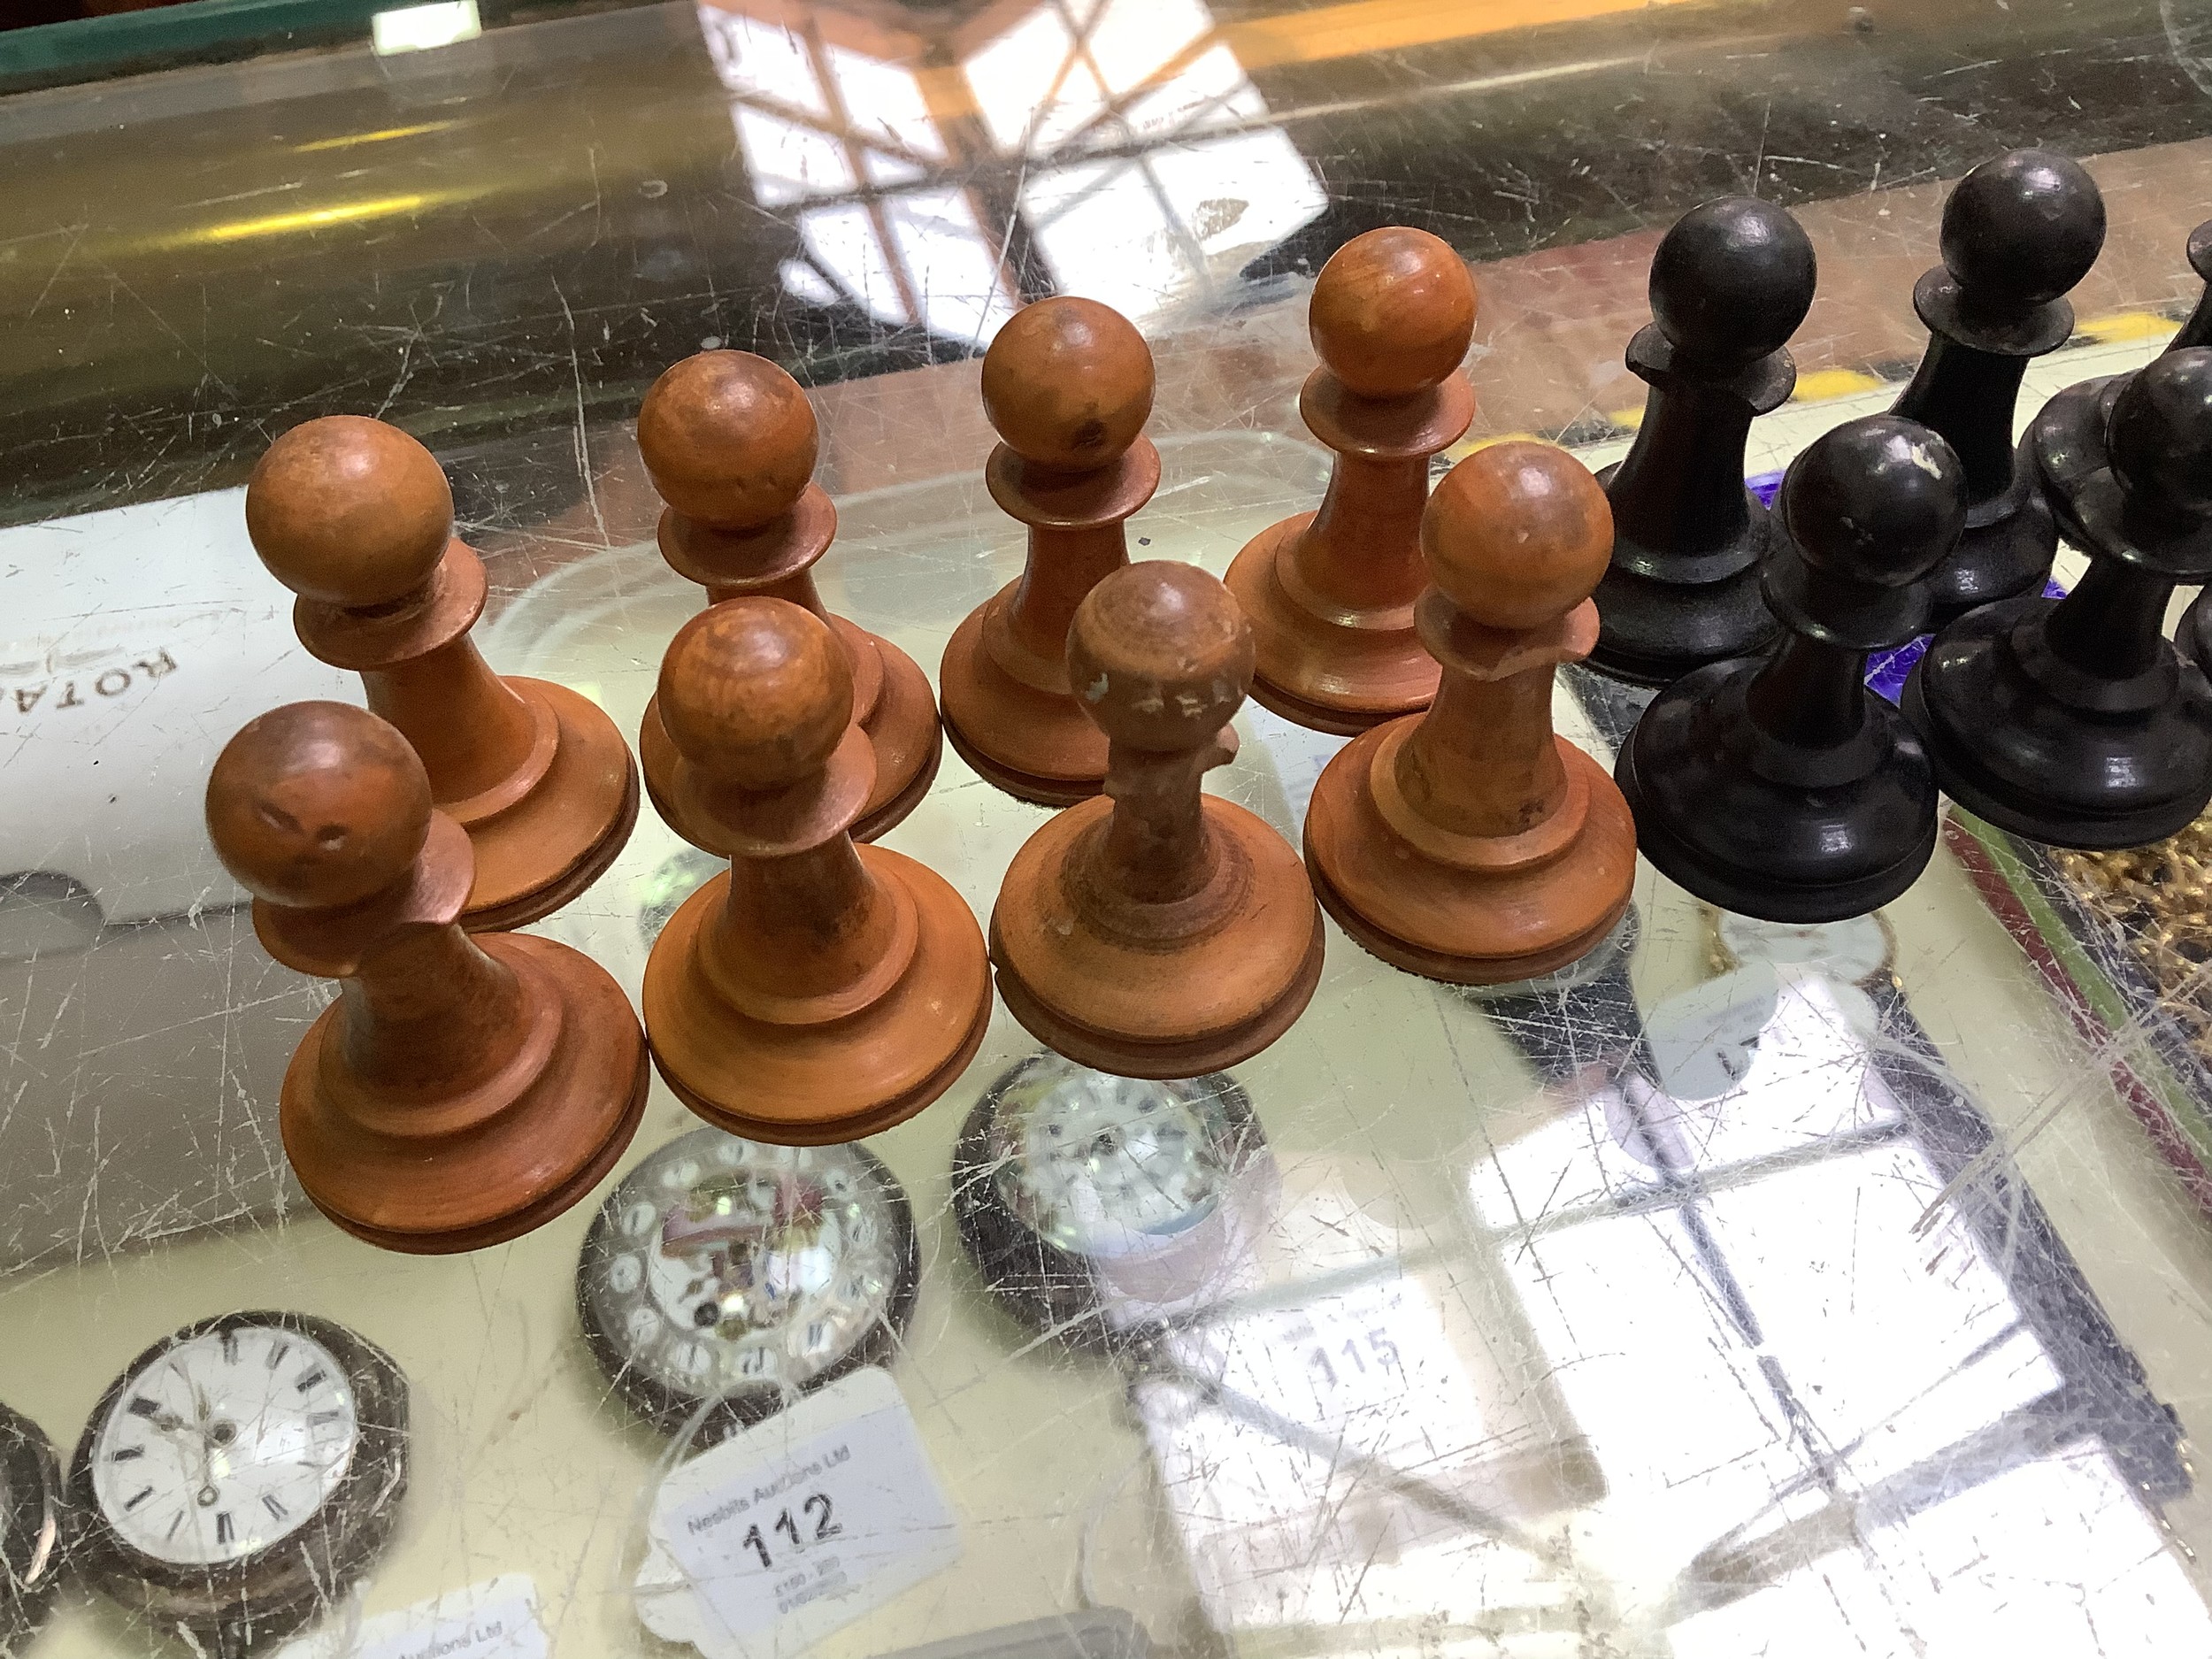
x=2009 y=559
x=839 y=1079
x=2016 y=757
x=551 y=845
x=1708 y=609
x=1236 y=965
x=1848 y=836
x=1322 y=674
x=1493 y=925
x=1036 y=745
x=546 y=1129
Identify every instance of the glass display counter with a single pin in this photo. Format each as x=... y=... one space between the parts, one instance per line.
x=1743 y=1290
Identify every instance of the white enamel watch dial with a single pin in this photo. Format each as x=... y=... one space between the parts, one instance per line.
x=224 y=1445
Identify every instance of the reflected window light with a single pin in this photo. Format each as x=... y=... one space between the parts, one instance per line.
x=883 y=100
x=1130 y=40
x=765 y=59
x=957 y=279
x=1211 y=92
x=843 y=242
x=802 y=281
x=420 y=28
x=788 y=162
x=1007 y=75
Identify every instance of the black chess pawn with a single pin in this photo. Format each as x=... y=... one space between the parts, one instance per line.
x=2073 y=720
x=2019 y=232
x=2198 y=330
x=1780 y=786
x=1729 y=283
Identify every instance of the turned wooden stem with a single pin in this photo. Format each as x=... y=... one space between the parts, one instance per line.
x=1362 y=550
x=1064 y=565
x=428 y=1009
x=817 y=918
x=1155 y=849
x=469 y=726
x=1482 y=762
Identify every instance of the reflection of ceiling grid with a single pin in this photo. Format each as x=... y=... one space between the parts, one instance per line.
x=993 y=171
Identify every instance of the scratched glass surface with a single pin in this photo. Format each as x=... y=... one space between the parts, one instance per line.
x=1744 y=1291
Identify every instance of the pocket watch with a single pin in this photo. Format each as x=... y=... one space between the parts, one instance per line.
x=241 y=1474
x=31 y=1519
x=1093 y=1204
x=723 y=1277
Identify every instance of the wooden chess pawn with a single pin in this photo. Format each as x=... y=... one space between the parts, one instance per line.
x=1330 y=594
x=461 y=1091
x=730 y=441
x=1469 y=843
x=2073 y=720
x=1157 y=931
x=2019 y=232
x=1730 y=284
x=1780 y=787
x=817 y=991
x=356 y=518
x=1068 y=385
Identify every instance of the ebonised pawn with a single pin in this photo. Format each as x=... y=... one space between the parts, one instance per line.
x=1157 y=931
x=1729 y=283
x=1330 y=594
x=1471 y=843
x=461 y=1090
x=817 y=991
x=1780 y=786
x=2198 y=330
x=2073 y=721
x=1068 y=386
x=730 y=441
x=356 y=518
x=2019 y=232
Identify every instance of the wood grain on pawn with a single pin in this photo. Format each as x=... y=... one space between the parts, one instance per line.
x=1157 y=931
x=1068 y=386
x=1331 y=593
x=1469 y=843
x=817 y=991
x=730 y=441
x=354 y=516
x=461 y=1090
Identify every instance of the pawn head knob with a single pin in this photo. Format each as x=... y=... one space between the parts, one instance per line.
x=1732 y=279
x=728 y=438
x=349 y=511
x=1517 y=534
x=318 y=804
x=1068 y=384
x=1393 y=312
x=1879 y=500
x=2159 y=435
x=756 y=692
x=1161 y=654
x=2022 y=229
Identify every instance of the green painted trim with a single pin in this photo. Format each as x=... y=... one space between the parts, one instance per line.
x=53 y=49
x=2105 y=999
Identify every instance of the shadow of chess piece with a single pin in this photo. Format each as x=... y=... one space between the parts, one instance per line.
x=2073 y=721
x=2019 y=232
x=1068 y=385
x=1780 y=787
x=1330 y=594
x=817 y=991
x=1730 y=284
x=461 y=1090
x=1157 y=931
x=730 y=441
x=1471 y=844
x=354 y=516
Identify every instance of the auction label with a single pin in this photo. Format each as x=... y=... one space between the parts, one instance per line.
x=806 y=1521
x=496 y=1619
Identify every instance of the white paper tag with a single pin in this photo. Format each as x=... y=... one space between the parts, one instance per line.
x=496 y=1619
x=769 y=1541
